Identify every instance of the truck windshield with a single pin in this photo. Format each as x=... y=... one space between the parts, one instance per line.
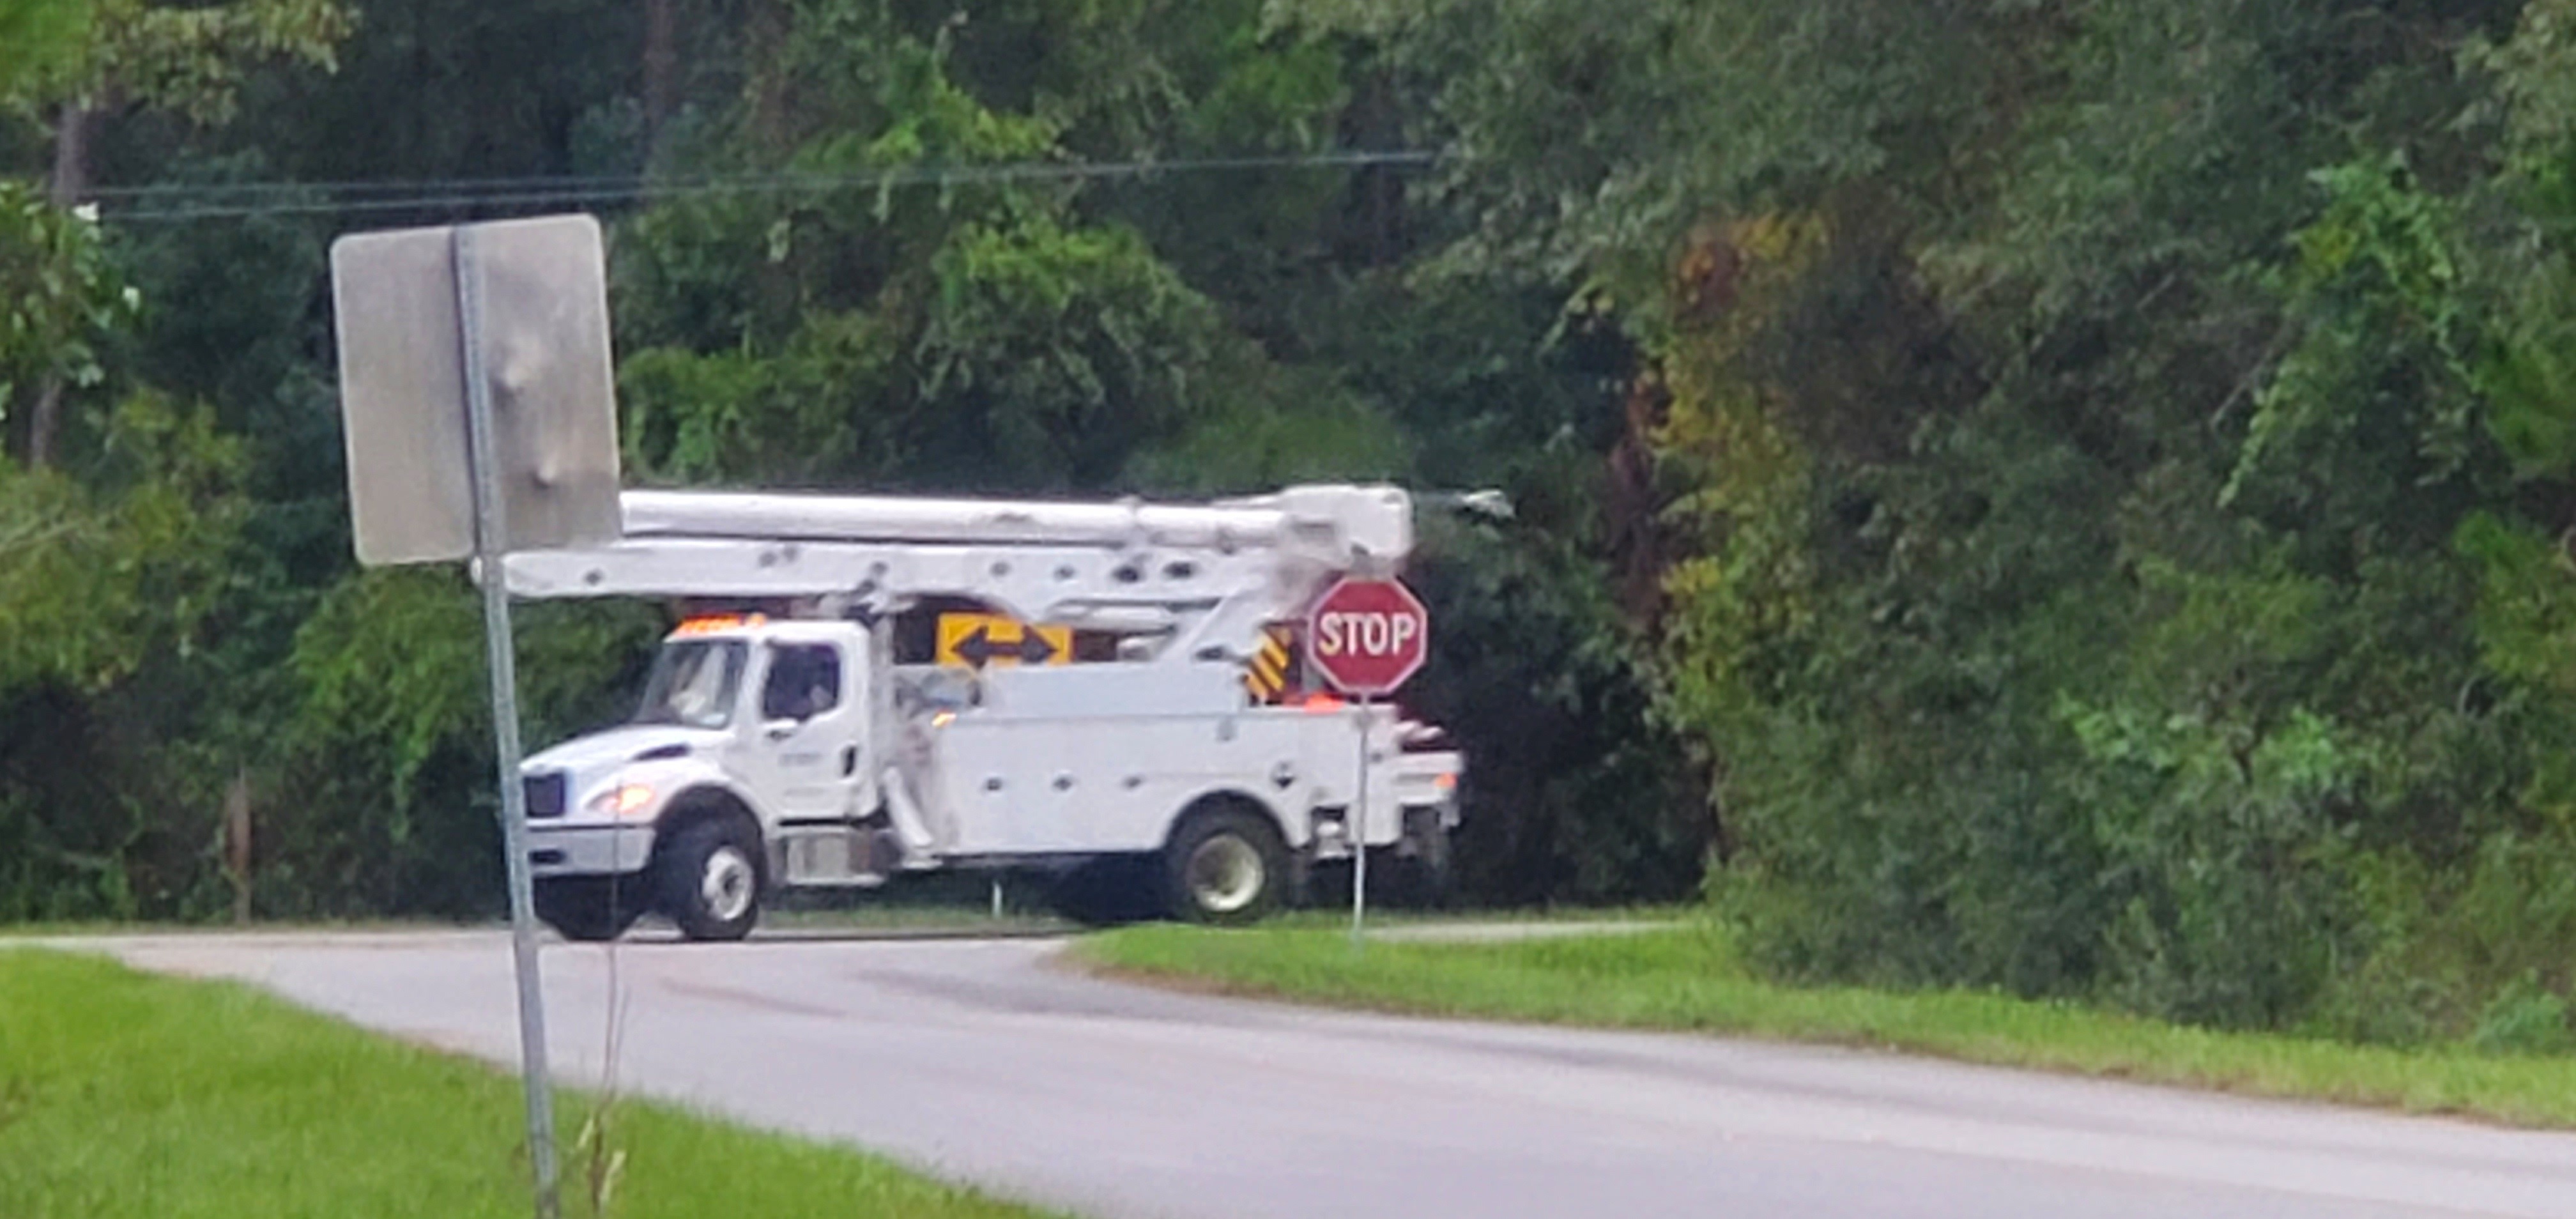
x=693 y=684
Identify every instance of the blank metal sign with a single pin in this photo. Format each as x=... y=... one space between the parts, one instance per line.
x=542 y=290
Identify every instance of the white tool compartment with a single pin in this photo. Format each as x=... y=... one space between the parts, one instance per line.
x=1078 y=783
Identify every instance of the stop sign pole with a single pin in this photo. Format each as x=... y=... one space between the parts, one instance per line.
x=1367 y=637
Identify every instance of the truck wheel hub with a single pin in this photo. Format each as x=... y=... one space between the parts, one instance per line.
x=726 y=886
x=1225 y=874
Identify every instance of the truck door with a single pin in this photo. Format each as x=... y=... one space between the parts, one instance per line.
x=806 y=761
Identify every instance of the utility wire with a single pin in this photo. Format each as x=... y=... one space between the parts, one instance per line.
x=430 y=185
x=163 y=203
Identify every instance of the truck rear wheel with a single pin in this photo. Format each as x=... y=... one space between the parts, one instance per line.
x=1225 y=866
x=589 y=909
x=710 y=881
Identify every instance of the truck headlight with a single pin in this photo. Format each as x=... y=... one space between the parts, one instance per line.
x=623 y=800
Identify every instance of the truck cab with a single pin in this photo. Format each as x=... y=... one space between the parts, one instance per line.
x=747 y=727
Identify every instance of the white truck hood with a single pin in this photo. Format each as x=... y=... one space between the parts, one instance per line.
x=618 y=747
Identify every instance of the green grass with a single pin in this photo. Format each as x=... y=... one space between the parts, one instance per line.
x=101 y=928
x=1689 y=979
x=124 y=1094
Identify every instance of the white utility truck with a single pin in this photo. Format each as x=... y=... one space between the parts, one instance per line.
x=863 y=687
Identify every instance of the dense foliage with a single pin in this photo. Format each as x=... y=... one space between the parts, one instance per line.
x=855 y=244
x=2073 y=498
x=2116 y=461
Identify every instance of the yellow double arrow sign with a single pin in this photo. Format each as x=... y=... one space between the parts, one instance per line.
x=978 y=640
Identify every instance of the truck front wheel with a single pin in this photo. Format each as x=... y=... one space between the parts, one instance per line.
x=589 y=909
x=1225 y=866
x=710 y=881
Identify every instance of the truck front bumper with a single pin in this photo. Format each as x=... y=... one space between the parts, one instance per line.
x=588 y=850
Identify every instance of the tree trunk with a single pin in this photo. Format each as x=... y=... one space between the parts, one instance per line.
x=69 y=187
x=1633 y=531
x=661 y=68
x=1373 y=213
x=771 y=26
x=73 y=127
x=44 y=421
x=237 y=844
x=768 y=27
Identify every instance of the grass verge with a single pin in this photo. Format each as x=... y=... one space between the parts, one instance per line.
x=1689 y=979
x=128 y=1095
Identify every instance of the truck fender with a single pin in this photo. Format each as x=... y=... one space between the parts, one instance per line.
x=704 y=801
x=1214 y=798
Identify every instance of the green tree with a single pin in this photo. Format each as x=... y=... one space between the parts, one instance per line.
x=59 y=300
x=104 y=583
x=39 y=35
x=2104 y=456
x=187 y=59
x=979 y=335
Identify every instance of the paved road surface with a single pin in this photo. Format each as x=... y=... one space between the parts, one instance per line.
x=979 y=1060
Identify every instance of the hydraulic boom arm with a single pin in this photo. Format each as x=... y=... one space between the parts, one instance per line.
x=1207 y=576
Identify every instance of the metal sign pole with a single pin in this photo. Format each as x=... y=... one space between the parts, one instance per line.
x=1359 y=831
x=490 y=544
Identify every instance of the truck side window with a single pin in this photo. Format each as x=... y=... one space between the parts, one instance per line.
x=804 y=681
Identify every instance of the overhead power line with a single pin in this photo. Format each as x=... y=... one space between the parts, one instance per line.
x=177 y=202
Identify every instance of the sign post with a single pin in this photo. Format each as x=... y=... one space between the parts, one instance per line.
x=500 y=647
x=475 y=385
x=1367 y=637
x=1359 y=831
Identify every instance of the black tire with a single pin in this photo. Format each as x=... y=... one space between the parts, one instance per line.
x=590 y=909
x=1108 y=892
x=709 y=880
x=1226 y=866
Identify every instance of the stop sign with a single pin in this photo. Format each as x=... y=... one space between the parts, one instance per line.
x=1368 y=636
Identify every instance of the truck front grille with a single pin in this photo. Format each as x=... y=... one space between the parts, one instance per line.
x=545 y=794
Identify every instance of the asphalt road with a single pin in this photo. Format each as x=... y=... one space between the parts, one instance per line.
x=982 y=1061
